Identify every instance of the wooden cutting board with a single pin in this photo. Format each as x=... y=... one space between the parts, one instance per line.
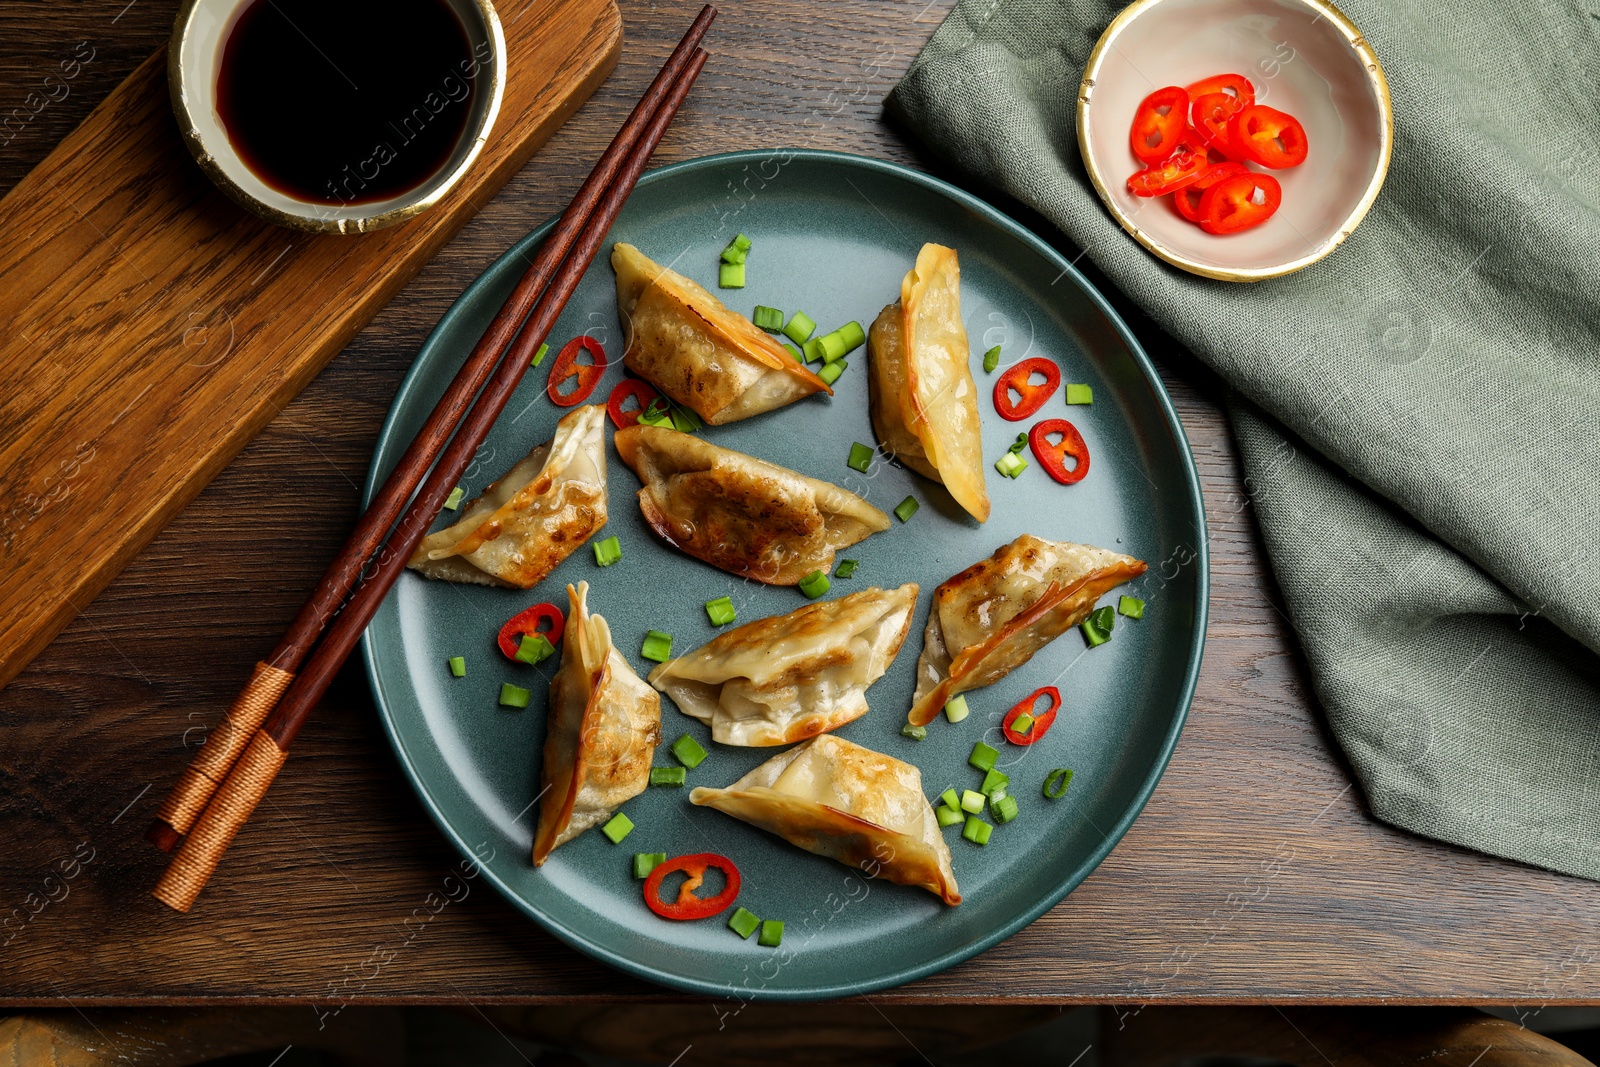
x=149 y=326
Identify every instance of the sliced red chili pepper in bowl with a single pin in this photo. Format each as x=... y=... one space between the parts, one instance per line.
x=1030 y=395
x=688 y=906
x=1181 y=168
x=1240 y=202
x=1042 y=720
x=1237 y=86
x=567 y=366
x=1052 y=456
x=527 y=622
x=1159 y=123
x=1210 y=115
x=642 y=393
x=1187 y=199
x=1269 y=137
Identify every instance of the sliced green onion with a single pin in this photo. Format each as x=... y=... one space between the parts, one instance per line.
x=1080 y=394
x=730 y=276
x=994 y=781
x=853 y=336
x=983 y=756
x=1020 y=443
x=800 y=327
x=619 y=827
x=743 y=922
x=608 y=551
x=1131 y=606
x=1022 y=724
x=513 y=696
x=741 y=242
x=906 y=508
x=535 y=648
x=645 y=862
x=1092 y=634
x=948 y=816
x=916 y=733
x=861 y=459
x=972 y=801
x=458 y=666
x=1010 y=464
x=949 y=798
x=955 y=709
x=668 y=776
x=657 y=646
x=734 y=256
x=991 y=359
x=689 y=751
x=1104 y=618
x=453 y=501
x=771 y=933
x=814 y=584
x=1055 y=785
x=831 y=346
x=684 y=420
x=812 y=350
x=1003 y=809
x=539 y=355
x=830 y=373
x=721 y=611
x=846 y=568
x=769 y=319
x=977 y=831
x=657 y=414
x=799 y=357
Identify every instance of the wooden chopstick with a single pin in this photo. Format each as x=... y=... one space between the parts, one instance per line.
x=267 y=750
x=273 y=675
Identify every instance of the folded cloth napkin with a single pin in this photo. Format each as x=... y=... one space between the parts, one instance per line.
x=1417 y=415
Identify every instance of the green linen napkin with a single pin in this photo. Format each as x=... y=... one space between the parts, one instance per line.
x=1417 y=413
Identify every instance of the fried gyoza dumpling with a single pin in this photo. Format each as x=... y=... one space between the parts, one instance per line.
x=848 y=803
x=600 y=734
x=784 y=679
x=993 y=616
x=711 y=360
x=924 y=401
x=749 y=517
x=532 y=518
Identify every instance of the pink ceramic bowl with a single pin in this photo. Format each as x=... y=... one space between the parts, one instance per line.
x=1304 y=57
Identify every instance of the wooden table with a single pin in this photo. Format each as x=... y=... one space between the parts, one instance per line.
x=1255 y=871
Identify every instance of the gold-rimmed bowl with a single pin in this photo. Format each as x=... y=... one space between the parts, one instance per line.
x=1304 y=57
x=194 y=57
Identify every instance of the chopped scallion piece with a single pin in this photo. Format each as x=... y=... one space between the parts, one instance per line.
x=730 y=276
x=619 y=827
x=812 y=350
x=1055 y=785
x=1004 y=809
x=721 y=611
x=743 y=922
x=831 y=345
x=771 y=933
x=539 y=355
x=1010 y=464
x=453 y=501
x=689 y=751
x=956 y=708
x=1131 y=606
x=814 y=584
x=769 y=319
x=1104 y=618
x=991 y=359
x=916 y=733
x=846 y=568
x=1092 y=634
x=668 y=776
x=741 y=242
x=645 y=862
x=1022 y=724
x=994 y=781
x=976 y=830
x=861 y=460
x=906 y=508
x=513 y=696
x=1020 y=443
x=800 y=327
x=734 y=255
x=983 y=756
x=799 y=357
x=535 y=648
x=948 y=816
x=1080 y=394
x=657 y=646
x=853 y=336
x=608 y=551
x=458 y=666
x=657 y=414
x=949 y=798
x=972 y=801
x=830 y=373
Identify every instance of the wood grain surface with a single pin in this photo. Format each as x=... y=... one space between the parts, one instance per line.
x=1255 y=872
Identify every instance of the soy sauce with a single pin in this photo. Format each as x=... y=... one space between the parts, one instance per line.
x=347 y=101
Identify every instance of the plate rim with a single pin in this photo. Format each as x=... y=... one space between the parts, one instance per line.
x=1146 y=789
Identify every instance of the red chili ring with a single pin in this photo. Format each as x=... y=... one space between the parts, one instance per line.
x=641 y=391
x=567 y=366
x=1031 y=397
x=688 y=906
x=1052 y=457
x=527 y=622
x=1041 y=721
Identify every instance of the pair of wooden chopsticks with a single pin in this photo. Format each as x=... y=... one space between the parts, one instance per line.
x=240 y=758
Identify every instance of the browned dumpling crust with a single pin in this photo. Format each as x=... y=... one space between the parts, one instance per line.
x=706 y=357
x=992 y=617
x=747 y=516
x=530 y=519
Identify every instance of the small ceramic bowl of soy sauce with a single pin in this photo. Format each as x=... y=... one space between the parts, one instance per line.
x=341 y=117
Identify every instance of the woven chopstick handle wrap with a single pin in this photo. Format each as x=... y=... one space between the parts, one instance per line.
x=227 y=813
x=222 y=747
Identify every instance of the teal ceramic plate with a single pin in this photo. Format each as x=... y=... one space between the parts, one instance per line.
x=833 y=235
